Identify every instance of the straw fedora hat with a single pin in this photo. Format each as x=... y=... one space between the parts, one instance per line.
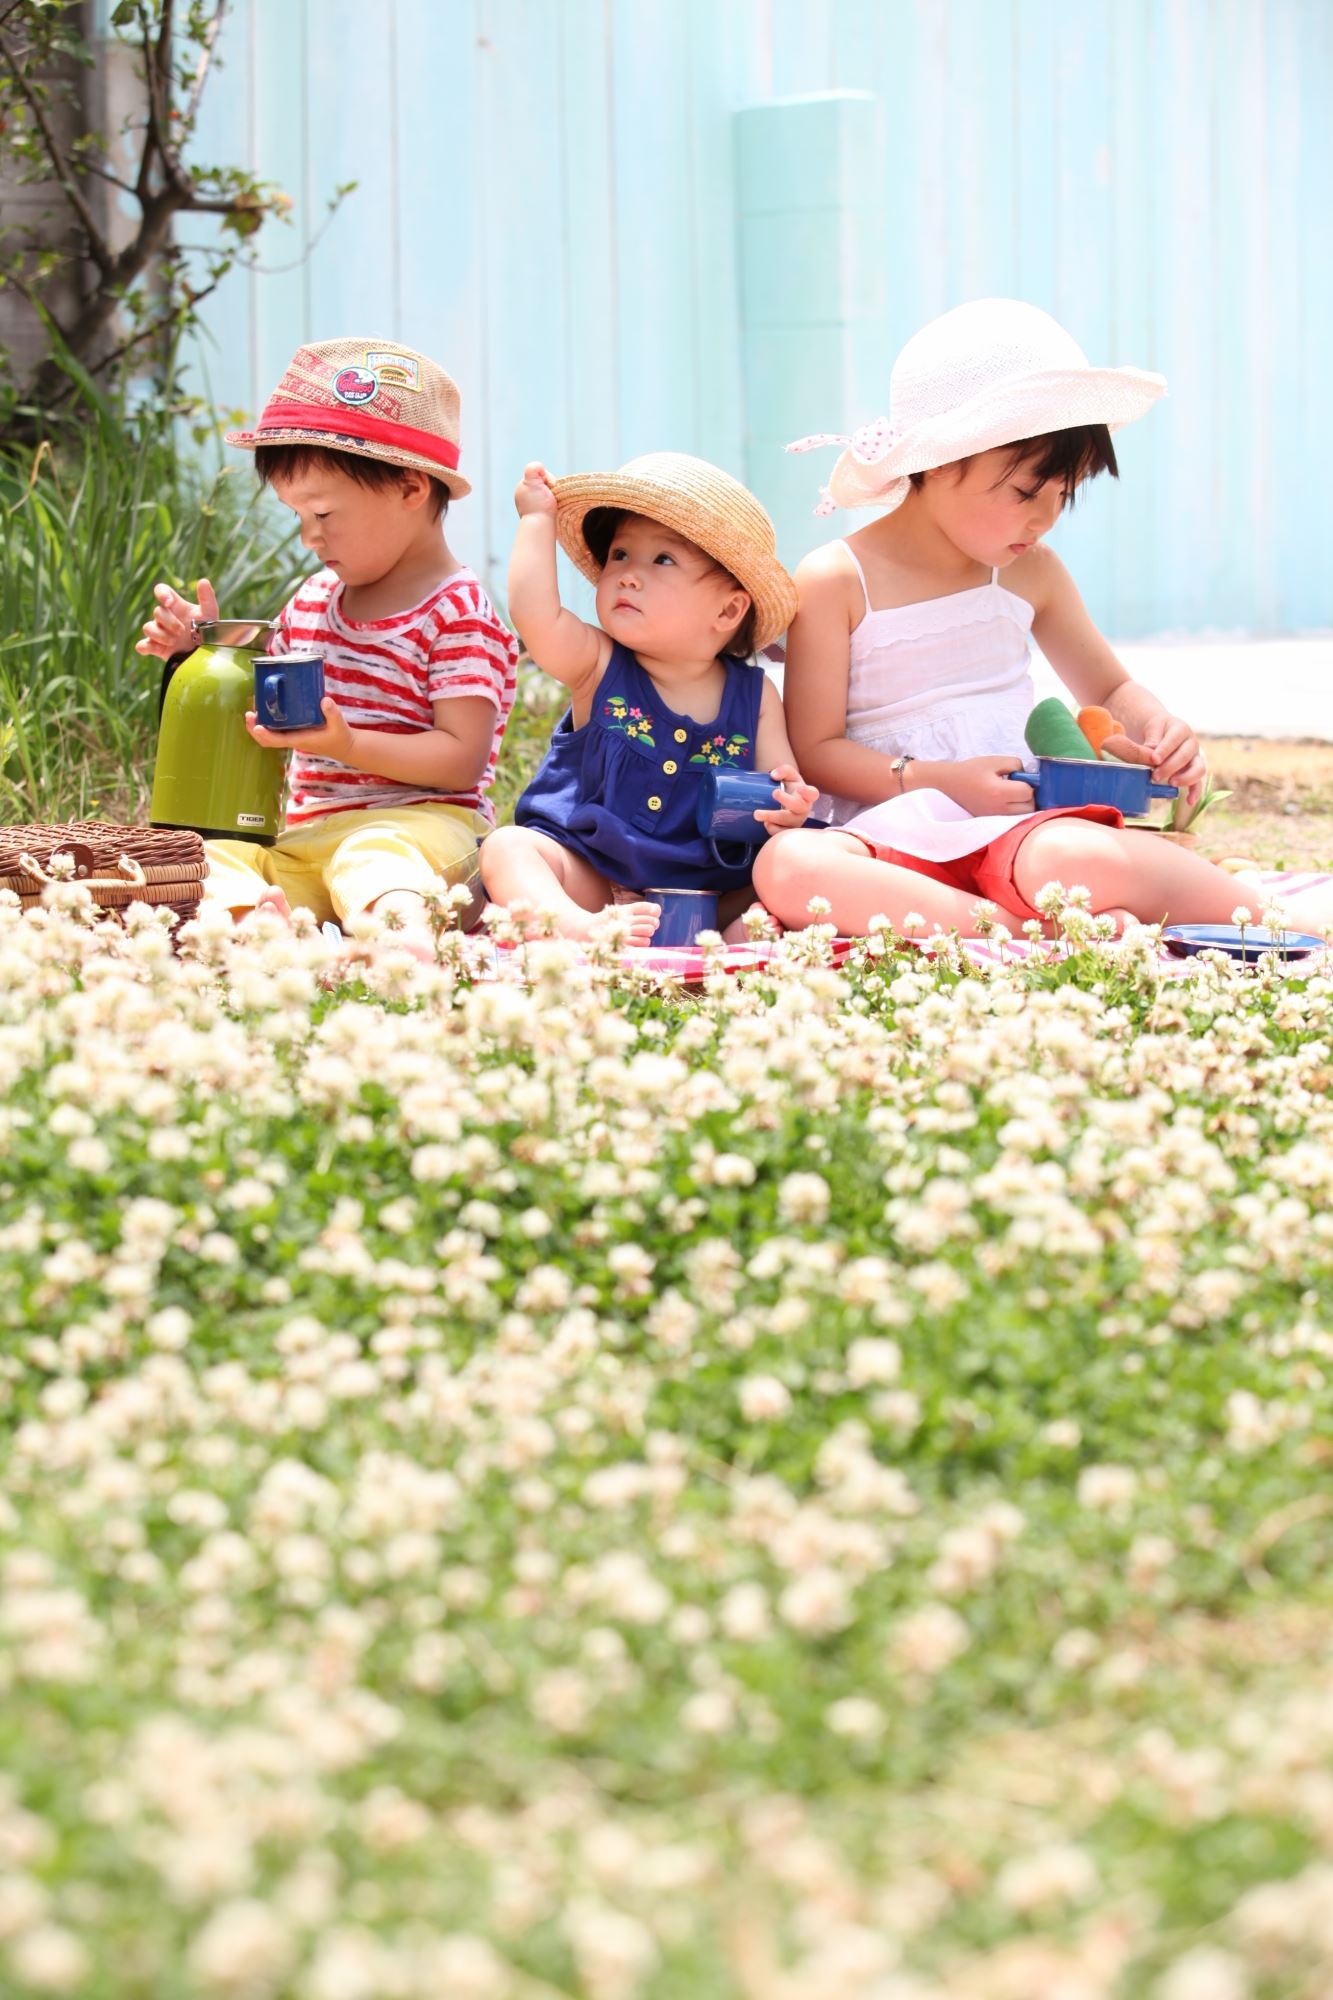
x=988 y=373
x=373 y=398
x=698 y=501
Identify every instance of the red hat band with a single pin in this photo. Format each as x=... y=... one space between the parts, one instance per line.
x=351 y=423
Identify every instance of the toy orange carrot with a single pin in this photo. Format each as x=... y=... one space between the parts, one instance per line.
x=1097 y=724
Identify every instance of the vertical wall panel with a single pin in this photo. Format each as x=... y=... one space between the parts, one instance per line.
x=224 y=366
x=526 y=310
x=1081 y=298
x=654 y=228
x=1133 y=508
x=439 y=288
x=279 y=89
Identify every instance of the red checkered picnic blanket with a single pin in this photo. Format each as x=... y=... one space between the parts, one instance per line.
x=687 y=963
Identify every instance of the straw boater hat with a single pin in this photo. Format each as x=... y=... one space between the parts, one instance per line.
x=704 y=505
x=986 y=374
x=373 y=398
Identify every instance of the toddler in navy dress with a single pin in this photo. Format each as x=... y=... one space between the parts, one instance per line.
x=661 y=689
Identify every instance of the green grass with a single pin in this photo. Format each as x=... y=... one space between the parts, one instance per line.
x=89 y=522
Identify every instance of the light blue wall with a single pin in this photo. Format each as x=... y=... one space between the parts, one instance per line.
x=547 y=205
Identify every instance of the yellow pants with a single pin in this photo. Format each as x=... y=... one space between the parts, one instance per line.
x=340 y=864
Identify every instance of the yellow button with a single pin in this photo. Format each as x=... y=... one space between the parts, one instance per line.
x=671 y=767
x=682 y=735
x=654 y=804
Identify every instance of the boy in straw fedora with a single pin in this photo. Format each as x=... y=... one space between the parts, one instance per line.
x=387 y=798
x=907 y=681
x=660 y=689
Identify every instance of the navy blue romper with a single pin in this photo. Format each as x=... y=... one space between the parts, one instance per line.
x=622 y=790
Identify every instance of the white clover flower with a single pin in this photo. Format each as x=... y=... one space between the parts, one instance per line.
x=1240 y=916
x=763 y=1399
x=24 y=1903
x=1050 y=1877
x=613 y=1951
x=1107 y=1489
x=1206 y=1973
x=855 y=1717
x=710 y=1712
x=927 y=1640
x=816 y=1603
x=244 y=1949
x=1075 y=1650
x=873 y=1360
x=804 y=1198
x=50 y=1959
x=744 y=1613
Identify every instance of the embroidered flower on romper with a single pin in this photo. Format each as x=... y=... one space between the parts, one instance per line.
x=627 y=721
x=718 y=750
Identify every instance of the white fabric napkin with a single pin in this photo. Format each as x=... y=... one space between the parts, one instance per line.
x=930 y=825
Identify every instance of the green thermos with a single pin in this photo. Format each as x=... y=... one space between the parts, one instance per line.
x=210 y=774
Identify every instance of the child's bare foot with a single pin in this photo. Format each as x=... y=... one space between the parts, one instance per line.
x=632 y=923
x=269 y=902
x=272 y=898
x=753 y=926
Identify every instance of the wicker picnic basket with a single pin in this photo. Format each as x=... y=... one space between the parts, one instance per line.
x=119 y=865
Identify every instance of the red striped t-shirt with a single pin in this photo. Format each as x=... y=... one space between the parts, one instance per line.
x=385 y=674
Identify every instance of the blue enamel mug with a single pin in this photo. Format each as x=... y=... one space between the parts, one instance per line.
x=728 y=802
x=289 y=688
x=685 y=912
x=1077 y=781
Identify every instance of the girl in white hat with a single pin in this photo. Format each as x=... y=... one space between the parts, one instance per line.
x=661 y=690
x=908 y=683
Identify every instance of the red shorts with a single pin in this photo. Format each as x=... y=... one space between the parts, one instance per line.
x=989 y=871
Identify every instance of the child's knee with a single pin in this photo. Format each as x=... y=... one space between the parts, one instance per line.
x=501 y=846
x=788 y=871
x=1063 y=851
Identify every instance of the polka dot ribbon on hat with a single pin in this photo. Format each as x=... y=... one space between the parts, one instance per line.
x=855 y=473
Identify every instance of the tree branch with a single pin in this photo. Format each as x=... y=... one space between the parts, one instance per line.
x=162 y=324
x=203 y=65
x=98 y=248
x=105 y=174
x=155 y=139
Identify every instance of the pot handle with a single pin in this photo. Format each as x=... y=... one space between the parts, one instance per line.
x=1164 y=791
x=1025 y=778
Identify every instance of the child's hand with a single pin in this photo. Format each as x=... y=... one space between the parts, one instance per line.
x=171 y=628
x=1173 y=750
x=797 y=799
x=332 y=739
x=534 y=493
x=982 y=785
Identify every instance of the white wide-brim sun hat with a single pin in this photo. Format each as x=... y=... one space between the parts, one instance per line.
x=988 y=373
x=702 y=504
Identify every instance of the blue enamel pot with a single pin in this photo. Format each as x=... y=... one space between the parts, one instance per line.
x=1077 y=781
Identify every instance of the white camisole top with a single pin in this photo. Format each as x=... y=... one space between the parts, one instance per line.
x=944 y=679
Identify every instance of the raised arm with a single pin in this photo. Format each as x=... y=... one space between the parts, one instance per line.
x=1090 y=670
x=566 y=647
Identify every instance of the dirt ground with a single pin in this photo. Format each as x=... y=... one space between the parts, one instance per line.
x=1280 y=812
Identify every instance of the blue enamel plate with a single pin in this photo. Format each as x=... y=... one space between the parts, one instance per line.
x=1248 y=945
